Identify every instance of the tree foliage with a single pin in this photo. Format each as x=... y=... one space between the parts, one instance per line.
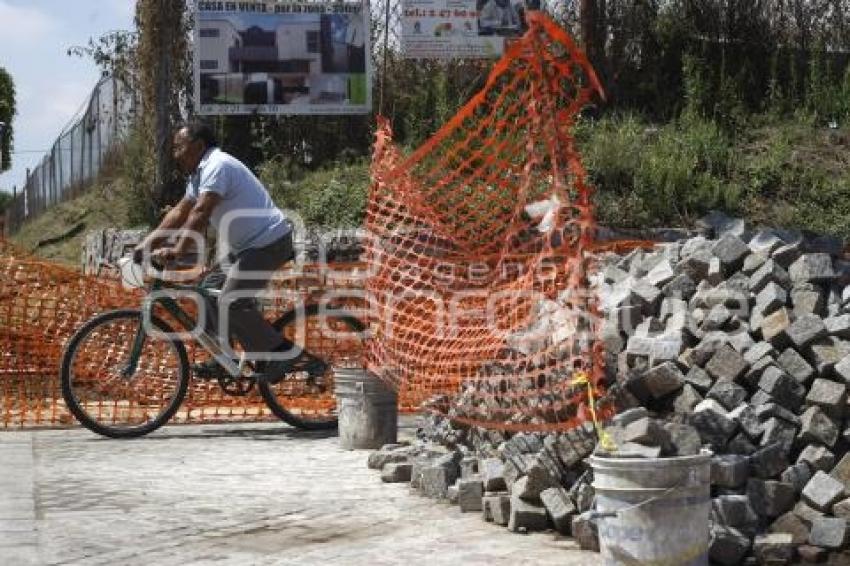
x=7 y=114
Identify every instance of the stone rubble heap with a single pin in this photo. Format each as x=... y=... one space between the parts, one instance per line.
x=734 y=342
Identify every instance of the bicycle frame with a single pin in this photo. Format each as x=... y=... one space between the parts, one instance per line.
x=209 y=343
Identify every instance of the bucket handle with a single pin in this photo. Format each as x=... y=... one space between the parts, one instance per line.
x=613 y=514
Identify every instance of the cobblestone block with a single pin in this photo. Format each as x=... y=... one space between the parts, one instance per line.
x=686 y=399
x=825 y=353
x=829 y=532
x=778 y=431
x=727 y=393
x=791 y=524
x=728 y=546
x=806 y=512
x=796 y=366
x=561 y=509
x=729 y=470
x=769 y=461
x=774 y=328
x=816 y=426
x=731 y=252
x=733 y=511
x=645 y=431
x=681 y=286
x=782 y=387
x=526 y=516
x=808 y=299
x=396 y=472
x=787 y=254
x=823 y=491
x=470 y=494
x=774 y=548
x=661 y=274
x=493 y=474
x=769 y=272
x=747 y=419
x=797 y=475
x=699 y=379
x=830 y=396
x=713 y=423
x=665 y=349
x=770 y=498
x=435 y=481
x=499 y=505
x=838 y=326
x=771 y=298
x=818 y=457
x=842 y=509
x=663 y=380
x=684 y=439
x=758 y=351
x=726 y=363
x=812 y=268
x=752 y=263
x=806 y=330
x=586 y=532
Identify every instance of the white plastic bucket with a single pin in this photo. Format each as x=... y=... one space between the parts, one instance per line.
x=653 y=511
x=367 y=409
x=132 y=274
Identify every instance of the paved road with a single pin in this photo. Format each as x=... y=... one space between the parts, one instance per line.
x=232 y=494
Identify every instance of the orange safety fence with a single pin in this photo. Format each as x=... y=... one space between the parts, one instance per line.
x=42 y=304
x=479 y=249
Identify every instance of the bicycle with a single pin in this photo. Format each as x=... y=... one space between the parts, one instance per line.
x=118 y=381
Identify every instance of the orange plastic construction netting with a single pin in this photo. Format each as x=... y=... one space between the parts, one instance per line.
x=42 y=304
x=479 y=246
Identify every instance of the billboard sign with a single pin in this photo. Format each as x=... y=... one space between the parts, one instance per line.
x=282 y=58
x=459 y=29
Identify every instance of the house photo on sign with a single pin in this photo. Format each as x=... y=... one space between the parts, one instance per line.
x=282 y=58
x=461 y=29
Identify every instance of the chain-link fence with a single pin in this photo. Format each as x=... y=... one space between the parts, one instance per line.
x=77 y=155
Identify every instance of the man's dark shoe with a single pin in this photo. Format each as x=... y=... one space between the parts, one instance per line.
x=273 y=371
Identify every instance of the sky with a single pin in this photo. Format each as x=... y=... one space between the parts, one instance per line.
x=51 y=86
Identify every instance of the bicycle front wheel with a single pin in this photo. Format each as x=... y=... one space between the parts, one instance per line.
x=331 y=335
x=95 y=382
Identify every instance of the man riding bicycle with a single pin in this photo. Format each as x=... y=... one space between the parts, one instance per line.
x=255 y=234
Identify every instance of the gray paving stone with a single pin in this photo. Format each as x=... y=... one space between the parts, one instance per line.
x=796 y=366
x=806 y=330
x=812 y=268
x=823 y=491
x=829 y=532
x=830 y=396
x=726 y=363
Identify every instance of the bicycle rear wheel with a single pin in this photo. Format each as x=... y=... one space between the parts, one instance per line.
x=100 y=395
x=331 y=335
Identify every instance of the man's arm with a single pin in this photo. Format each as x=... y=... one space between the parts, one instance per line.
x=175 y=219
x=196 y=221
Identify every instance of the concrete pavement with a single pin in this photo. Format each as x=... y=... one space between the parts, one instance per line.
x=232 y=494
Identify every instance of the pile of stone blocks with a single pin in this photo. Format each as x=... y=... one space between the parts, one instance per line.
x=740 y=343
x=526 y=482
x=733 y=341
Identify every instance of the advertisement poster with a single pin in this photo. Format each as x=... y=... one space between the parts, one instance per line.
x=459 y=29
x=282 y=58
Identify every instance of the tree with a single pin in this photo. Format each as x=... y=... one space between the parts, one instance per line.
x=7 y=113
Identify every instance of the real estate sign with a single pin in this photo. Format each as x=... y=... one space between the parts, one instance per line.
x=282 y=58
x=459 y=29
